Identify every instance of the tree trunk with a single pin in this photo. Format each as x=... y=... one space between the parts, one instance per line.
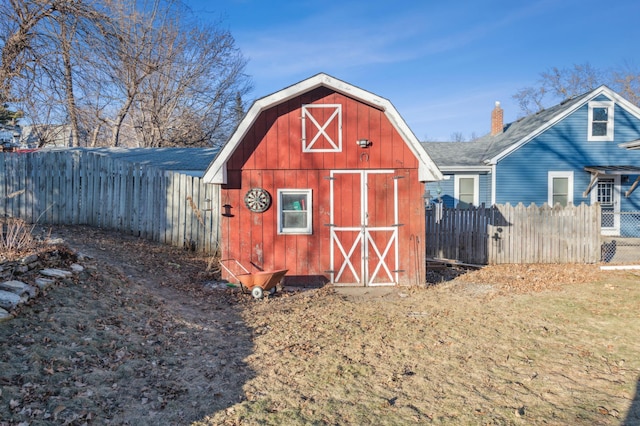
x=68 y=80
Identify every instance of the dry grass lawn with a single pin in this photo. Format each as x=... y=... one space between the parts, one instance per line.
x=138 y=339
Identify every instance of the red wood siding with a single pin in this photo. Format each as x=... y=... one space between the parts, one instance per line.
x=271 y=157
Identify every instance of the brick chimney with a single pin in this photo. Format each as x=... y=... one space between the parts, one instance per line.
x=497 y=120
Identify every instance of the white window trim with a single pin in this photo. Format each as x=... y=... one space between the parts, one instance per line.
x=476 y=189
x=610 y=120
x=307 y=117
x=295 y=231
x=552 y=175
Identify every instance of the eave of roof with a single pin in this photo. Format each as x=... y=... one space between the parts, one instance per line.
x=217 y=170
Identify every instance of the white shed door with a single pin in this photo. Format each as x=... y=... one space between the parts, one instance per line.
x=364 y=227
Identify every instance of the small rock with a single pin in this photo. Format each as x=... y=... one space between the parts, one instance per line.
x=19 y=288
x=54 y=241
x=21 y=269
x=29 y=259
x=44 y=283
x=77 y=268
x=4 y=315
x=55 y=273
x=9 y=300
x=82 y=256
x=220 y=285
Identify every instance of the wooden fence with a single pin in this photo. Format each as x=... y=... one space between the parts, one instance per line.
x=515 y=234
x=86 y=188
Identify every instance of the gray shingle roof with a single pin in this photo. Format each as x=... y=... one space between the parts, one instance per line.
x=188 y=160
x=447 y=154
x=458 y=154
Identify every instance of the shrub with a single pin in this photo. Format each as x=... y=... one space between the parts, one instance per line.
x=16 y=236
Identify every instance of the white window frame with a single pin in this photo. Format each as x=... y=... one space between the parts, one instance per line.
x=610 y=120
x=476 y=189
x=308 y=119
x=309 y=209
x=558 y=174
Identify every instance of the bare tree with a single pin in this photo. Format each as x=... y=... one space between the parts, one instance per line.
x=16 y=34
x=118 y=70
x=39 y=57
x=570 y=82
x=626 y=81
x=559 y=84
x=169 y=81
x=193 y=97
x=530 y=99
x=457 y=137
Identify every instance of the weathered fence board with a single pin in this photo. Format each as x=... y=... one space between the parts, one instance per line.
x=76 y=187
x=515 y=234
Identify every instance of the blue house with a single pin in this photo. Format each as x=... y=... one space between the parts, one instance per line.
x=584 y=149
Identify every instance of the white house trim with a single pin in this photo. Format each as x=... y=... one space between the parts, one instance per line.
x=479 y=169
x=217 y=170
x=610 y=106
x=493 y=185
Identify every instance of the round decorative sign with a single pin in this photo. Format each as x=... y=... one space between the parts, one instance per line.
x=257 y=200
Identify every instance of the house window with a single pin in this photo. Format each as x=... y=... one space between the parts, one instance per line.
x=466 y=190
x=605 y=192
x=294 y=211
x=322 y=128
x=560 y=189
x=601 y=121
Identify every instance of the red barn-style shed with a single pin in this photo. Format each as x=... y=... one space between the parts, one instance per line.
x=326 y=180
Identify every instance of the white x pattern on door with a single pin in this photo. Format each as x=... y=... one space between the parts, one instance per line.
x=359 y=237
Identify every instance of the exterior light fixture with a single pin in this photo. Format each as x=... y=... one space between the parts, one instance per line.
x=363 y=143
x=427 y=199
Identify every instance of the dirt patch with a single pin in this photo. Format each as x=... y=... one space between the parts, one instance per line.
x=142 y=338
x=137 y=339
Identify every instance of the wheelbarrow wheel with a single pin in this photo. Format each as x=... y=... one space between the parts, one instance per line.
x=257 y=292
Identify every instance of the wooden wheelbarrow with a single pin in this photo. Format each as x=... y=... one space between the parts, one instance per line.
x=256 y=283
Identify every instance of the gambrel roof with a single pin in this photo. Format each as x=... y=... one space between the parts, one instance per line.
x=489 y=149
x=217 y=170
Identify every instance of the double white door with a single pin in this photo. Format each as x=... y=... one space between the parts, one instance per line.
x=364 y=227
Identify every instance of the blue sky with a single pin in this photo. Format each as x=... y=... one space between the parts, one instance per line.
x=442 y=64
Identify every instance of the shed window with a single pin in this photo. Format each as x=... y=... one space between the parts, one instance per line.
x=560 y=188
x=601 y=121
x=294 y=211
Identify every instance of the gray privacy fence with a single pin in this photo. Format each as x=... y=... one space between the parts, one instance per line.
x=515 y=234
x=80 y=187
